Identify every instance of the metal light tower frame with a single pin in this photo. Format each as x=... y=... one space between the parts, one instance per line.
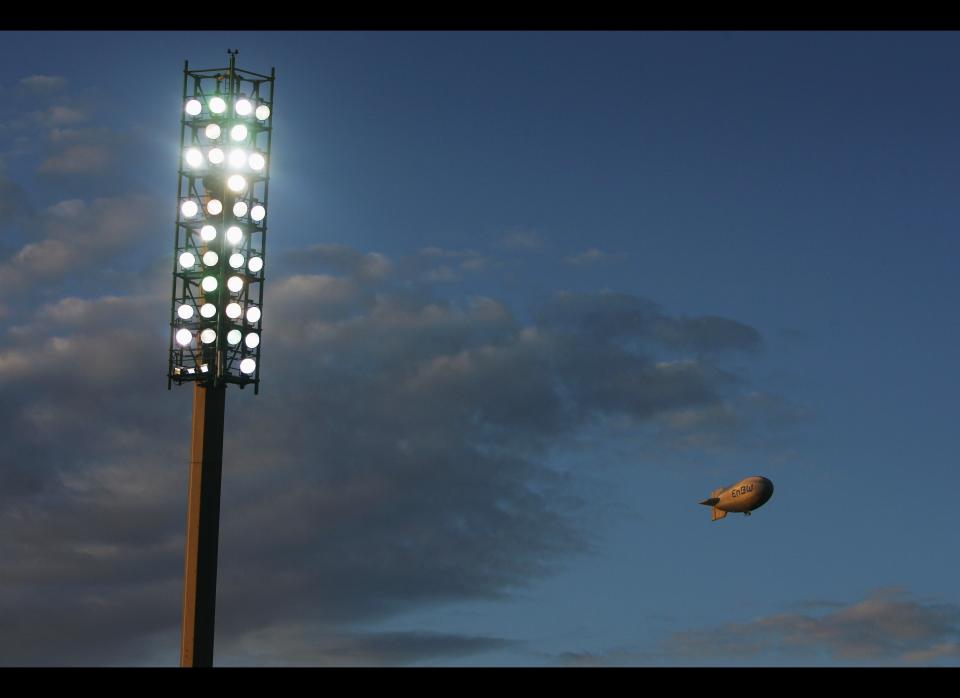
x=220 y=238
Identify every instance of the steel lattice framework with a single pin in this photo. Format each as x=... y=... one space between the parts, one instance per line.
x=220 y=235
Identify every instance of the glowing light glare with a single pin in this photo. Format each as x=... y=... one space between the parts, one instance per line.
x=236 y=260
x=263 y=112
x=184 y=337
x=187 y=260
x=257 y=162
x=212 y=131
x=237 y=159
x=253 y=315
x=240 y=209
x=208 y=233
x=210 y=258
x=237 y=183
x=185 y=312
x=208 y=336
x=214 y=207
x=238 y=132
x=209 y=284
x=193 y=107
x=208 y=310
x=248 y=366
x=255 y=264
x=243 y=107
x=193 y=157
x=252 y=340
x=258 y=213
x=235 y=284
x=217 y=105
x=233 y=337
x=189 y=208
x=233 y=311
x=234 y=235
x=215 y=155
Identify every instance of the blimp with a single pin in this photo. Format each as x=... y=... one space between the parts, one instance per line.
x=742 y=497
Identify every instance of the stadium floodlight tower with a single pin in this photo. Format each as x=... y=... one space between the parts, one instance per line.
x=216 y=311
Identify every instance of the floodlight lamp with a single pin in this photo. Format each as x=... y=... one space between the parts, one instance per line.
x=193 y=107
x=214 y=207
x=233 y=337
x=209 y=284
x=184 y=337
x=257 y=161
x=208 y=310
x=237 y=159
x=243 y=107
x=185 y=312
x=248 y=366
x=194 y=157
x=234 y=235
x=187 y=260
x=237 y=183
x=252 y=340
x=257 y=213
x=233 y=311
x=263 y=112
x=215 y=155
x=212 y=131
x=208 y=233
x=240 y=209
x=238 y=133
x=235 y=284
x=217 y=105
x=208 y=336
x=255 y=264
x=189 y=208
x=210 y=258
x=204 y=368
x=253 y=315
x=236 y=260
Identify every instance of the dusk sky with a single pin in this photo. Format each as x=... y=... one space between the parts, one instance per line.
x=529 y=298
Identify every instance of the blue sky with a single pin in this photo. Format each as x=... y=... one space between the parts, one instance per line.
x=491 y=260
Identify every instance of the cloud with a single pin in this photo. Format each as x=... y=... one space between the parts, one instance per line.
x=77 y=159
x=591 y=256
x=43 y=84
x=522 y=241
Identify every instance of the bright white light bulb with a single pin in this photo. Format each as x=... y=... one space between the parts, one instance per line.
x=214 y=207
x=233 y=337
x=258 y=212
x=237 y=183
x=236 y=260
x=209 y=284
x=234 y=235
x=212 y=131
x=208 y=310
x=193 y=107
x=210 y=258
x=243 y=107
x=263 y=112
x=253 y=315
x=185 y=312
x=187 y=260
x=257 y=161
x=240 y=209
x=215 y=155
x=255 y=264
x=208 y=336
x=237 y=158
x=238 y=132
x=184 y=337
x=208 y=233
x=217 y=105
x=235 y=284
x=248 y=366
x=233 y=311
x=189 y=208
x=252 y=340
x=194 y=157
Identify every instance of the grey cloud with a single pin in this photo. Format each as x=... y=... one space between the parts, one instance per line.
x=77 y=159
x=522 y=241
x=43 y=84
x=591 y=256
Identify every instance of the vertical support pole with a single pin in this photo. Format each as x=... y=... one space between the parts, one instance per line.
x=203 y=526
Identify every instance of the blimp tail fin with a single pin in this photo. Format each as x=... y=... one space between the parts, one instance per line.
x=718 y=514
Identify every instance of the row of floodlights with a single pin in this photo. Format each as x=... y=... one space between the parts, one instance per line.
x=190 y=208
x=209 y=336
x=248 y=366
x=237 y=159
x=233 y=311
x=217 y=105
x=211 y=259
x=209 y=283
